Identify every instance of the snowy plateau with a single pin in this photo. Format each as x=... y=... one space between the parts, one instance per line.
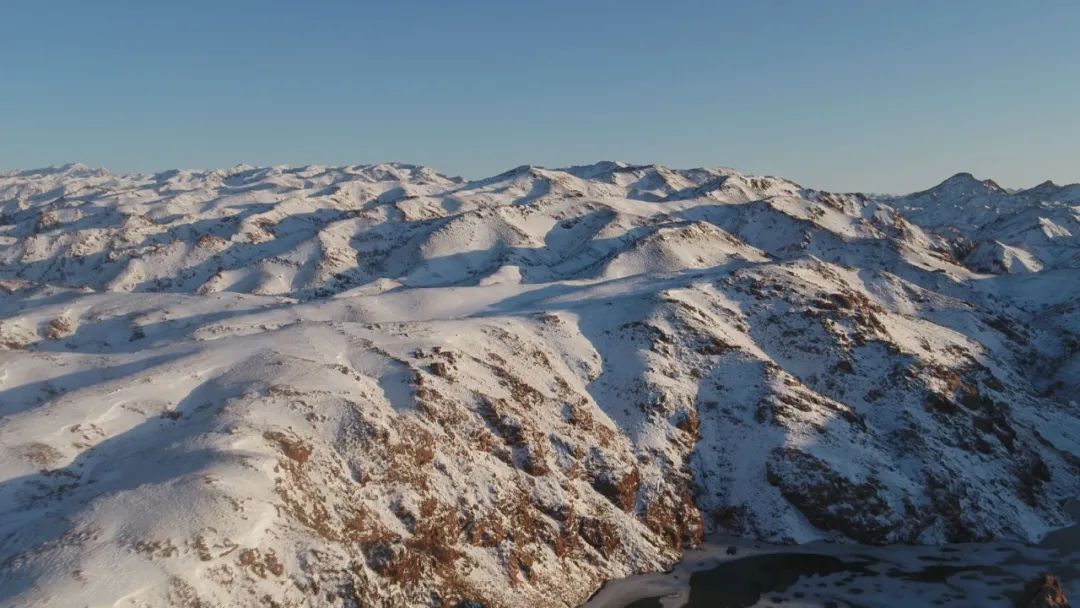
x=382 y=386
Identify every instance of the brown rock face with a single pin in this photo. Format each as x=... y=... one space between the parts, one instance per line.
x=830 y=500
x=1044 y=592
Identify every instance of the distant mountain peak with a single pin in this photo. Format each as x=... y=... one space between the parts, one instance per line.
x=1046 y=188
x=963 y=184
x=71 y=169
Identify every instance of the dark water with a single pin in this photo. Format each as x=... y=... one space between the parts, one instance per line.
x=743 y=582
x=734 y=573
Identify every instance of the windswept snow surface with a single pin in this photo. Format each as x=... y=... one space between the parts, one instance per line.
x=381 y=386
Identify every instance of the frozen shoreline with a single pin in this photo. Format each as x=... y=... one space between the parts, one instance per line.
x=982 y=574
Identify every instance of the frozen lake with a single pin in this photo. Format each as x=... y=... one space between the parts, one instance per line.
x=730 y=572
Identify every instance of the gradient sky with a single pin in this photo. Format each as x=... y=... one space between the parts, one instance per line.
x=861 y=95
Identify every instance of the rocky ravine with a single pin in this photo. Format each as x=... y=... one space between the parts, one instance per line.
x=382 y=386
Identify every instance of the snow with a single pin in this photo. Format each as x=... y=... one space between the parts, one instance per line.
x=988 y=574
x=317 y=384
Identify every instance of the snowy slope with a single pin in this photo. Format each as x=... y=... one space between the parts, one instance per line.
x=1002 y=231
x=379 y=385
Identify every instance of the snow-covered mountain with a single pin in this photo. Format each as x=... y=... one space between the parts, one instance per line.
x=382 y=386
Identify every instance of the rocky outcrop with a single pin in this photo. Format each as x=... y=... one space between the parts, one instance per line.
x=1044 y=591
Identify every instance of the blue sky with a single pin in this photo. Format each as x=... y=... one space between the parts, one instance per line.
x=861 y=95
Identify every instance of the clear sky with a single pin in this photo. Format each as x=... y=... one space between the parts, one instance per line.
x=845 y=95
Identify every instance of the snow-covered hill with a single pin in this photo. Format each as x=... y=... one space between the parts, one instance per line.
x=379 y=385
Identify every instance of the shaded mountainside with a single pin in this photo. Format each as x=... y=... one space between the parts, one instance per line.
x=379 y=385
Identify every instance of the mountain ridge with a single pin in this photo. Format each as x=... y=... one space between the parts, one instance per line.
x=610 y=165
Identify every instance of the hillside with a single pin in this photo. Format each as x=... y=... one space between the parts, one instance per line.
x=382 y=386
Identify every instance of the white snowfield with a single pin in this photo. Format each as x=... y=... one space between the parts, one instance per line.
x=381 y=386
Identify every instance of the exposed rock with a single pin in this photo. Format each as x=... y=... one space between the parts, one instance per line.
x=831 y=501
x=1044 y=591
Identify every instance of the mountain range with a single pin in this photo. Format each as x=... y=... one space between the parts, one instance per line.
x=378 y=385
